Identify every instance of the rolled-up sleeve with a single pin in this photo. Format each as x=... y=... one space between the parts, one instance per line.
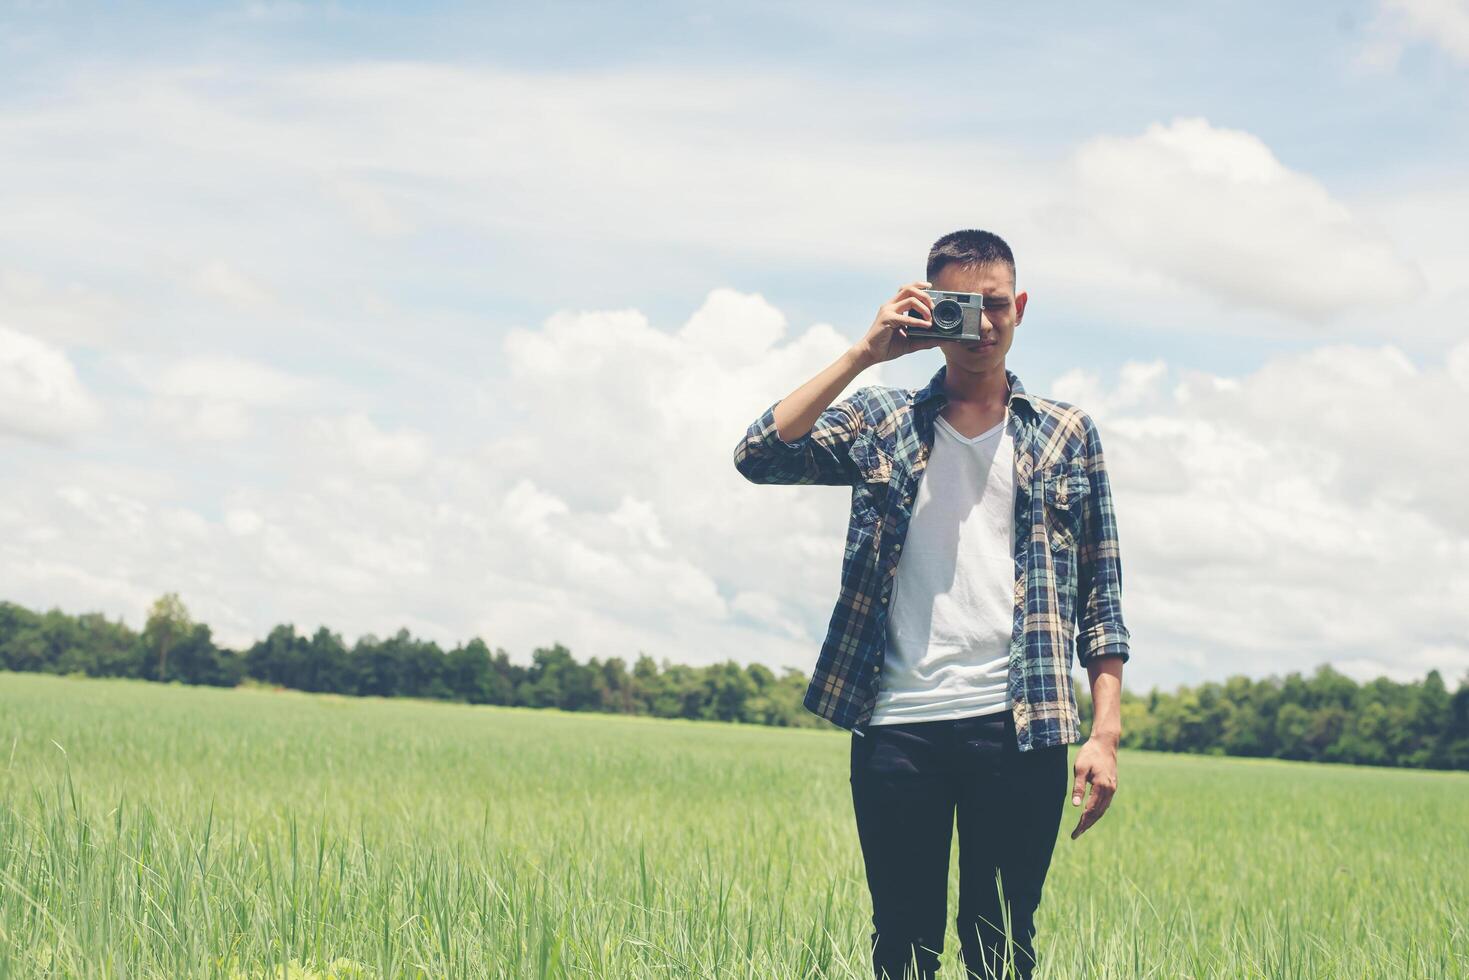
x=819 y=456
x=1100 y=628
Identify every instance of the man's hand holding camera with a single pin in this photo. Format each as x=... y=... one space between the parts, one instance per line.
x=888 y=337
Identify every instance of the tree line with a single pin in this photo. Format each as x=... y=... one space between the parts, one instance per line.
x=1325 y=717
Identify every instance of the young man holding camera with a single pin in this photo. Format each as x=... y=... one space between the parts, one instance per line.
x=981 y=548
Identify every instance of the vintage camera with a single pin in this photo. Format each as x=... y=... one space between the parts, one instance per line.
x=956 y=316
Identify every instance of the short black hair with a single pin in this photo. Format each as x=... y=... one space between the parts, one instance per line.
x=969 y=247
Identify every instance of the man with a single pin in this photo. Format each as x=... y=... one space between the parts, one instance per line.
x=981 y=548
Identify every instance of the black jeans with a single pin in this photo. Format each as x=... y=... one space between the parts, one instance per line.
x=908 y=780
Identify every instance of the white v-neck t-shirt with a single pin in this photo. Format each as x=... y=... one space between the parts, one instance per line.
x=953 y=602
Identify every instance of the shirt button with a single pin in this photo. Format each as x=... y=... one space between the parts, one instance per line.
x=884 y=600
x=897 y=547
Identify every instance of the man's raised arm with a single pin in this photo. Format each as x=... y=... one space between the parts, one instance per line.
x=804 y=438
x=800 y=439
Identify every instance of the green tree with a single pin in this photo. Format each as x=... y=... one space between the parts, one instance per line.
x=470 y=674
x=168 y=625
x=726 y=689
x=1293 y=732
x=615 y=687
x=1432 y=717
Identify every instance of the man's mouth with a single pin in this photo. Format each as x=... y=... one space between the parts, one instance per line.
x=982 y=345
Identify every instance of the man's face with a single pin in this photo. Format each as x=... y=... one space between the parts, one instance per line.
x=997 y=326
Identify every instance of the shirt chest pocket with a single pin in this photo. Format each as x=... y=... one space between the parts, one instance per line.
x=1064 y=488
x=873 y=471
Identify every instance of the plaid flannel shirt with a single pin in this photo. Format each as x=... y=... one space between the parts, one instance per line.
x=1068 y=572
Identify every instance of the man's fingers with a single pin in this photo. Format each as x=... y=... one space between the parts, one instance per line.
x=914 y=290
x=1096 y=805
x=1078 y=786
x=914 y=294
x=1088 y=817
x=916 y=310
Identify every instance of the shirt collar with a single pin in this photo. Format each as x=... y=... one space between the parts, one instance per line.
x=935 y=389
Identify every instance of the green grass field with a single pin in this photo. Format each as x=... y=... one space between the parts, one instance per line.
x=150 y=830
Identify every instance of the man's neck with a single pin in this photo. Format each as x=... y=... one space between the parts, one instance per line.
x=979 y=389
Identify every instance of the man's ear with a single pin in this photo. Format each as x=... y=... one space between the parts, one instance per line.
x=1020 y=307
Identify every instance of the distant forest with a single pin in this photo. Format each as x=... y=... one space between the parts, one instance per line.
x=1325 y=717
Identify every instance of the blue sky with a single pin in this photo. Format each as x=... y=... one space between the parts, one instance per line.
x=334 y=313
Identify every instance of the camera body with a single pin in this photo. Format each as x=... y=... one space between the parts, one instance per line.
x=956 y=316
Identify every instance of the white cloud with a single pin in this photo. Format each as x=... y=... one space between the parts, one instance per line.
x=640 y=520
x=770 y=612
x=1187 y=220
x=1137 y=382
x=214 y=398
x=1398 y=23
x=1307 y=511
x=1443 y=21
x=243 y=522
x=609 y=518
x=40 y=394
x=224 y=378
x=64 y=314
x=1458 y=365
x=356 y=440
x=1214 y=209
x=221 y=280
x=369 y=208
x=202 y=420
x=107 y=509
x=1270 y=520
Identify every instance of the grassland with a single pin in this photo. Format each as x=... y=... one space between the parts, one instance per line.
x=150 y=830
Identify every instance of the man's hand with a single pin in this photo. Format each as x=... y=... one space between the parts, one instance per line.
x=888 y=338
x=1096 y=763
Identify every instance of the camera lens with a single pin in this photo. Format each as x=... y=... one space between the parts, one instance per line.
x=948 y=316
